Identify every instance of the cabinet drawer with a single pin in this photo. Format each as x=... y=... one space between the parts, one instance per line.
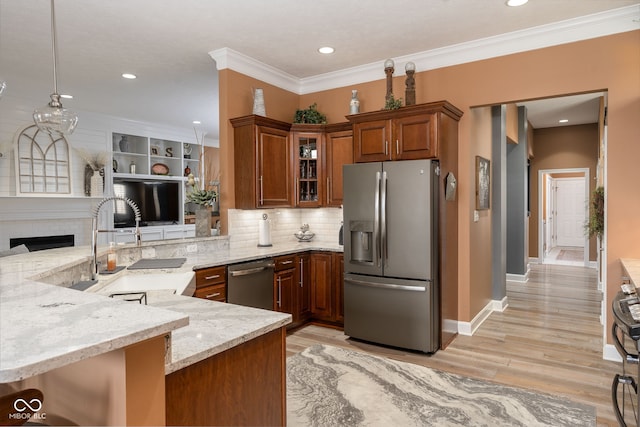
x=285 y=262
x=211 y=276
x=212 y=293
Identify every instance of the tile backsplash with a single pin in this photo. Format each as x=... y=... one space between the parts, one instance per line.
x=243 y=225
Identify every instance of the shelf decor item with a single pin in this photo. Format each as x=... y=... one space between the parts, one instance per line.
x=258 y=103
x=410 y=82
x=160 y=169
x=310 y=115
x=354 y=104
x=124 y=144
x=388 y=70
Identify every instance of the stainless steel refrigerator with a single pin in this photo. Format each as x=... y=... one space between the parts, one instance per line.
x=391 y=253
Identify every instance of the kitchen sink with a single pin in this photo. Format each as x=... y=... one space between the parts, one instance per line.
x=180 y=283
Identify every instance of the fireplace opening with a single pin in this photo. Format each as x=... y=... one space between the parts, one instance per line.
x=43 y=242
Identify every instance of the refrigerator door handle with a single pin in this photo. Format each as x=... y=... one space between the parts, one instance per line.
x=387 y=285
x=383 y=218
x=376 y=220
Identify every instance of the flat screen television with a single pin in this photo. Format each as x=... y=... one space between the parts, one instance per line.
x=158 y=202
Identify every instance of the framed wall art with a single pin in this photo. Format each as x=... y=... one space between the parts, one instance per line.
x=483 y=184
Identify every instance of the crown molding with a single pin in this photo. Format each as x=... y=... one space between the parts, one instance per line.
x=236 y=61
x=583 y=28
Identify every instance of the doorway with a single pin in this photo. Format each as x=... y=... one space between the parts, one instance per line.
x=564 y=212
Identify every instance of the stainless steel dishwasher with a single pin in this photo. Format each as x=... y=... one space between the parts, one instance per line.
x=251 y=284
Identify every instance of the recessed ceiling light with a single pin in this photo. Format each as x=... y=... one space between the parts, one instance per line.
x=515 y=3
x=196 y=122
x=326 y=50
x=66 y=96
x=129 y=76
x=563 y=121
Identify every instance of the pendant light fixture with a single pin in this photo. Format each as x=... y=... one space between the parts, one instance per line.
x=53 y=117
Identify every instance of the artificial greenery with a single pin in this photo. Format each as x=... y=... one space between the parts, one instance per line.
x=596 y=214
x=310 y=115
x=202 y=197
x=392 y=104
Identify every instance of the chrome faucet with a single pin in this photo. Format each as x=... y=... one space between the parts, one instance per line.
x=95 y=230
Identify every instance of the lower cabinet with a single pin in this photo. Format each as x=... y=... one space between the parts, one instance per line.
x=303 y=290
x=322 y=306
x=292 y=287
x=338 y=286
x=211 y=284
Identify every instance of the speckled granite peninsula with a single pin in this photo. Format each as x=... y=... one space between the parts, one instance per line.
x=52 y=333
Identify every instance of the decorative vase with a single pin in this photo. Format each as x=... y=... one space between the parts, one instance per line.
x=203 y=221
x=258 y=103
x=354 y=105
x=97 y=184
x=124 y=144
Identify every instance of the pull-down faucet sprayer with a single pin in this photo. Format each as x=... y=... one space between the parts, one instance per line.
x=95 y=230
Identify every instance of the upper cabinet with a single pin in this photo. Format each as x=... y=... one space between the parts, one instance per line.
x=308 y=142
x=338 y=152
x=282 y=165
x=262 y=163
x=404 y=134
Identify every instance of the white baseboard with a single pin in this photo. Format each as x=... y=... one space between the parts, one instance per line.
x=469 y=328
x=522 y=278
x=609 y=352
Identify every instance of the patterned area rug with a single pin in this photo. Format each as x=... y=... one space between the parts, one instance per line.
x=330 y=386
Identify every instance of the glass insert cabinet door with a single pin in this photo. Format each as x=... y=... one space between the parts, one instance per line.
x=308 y=170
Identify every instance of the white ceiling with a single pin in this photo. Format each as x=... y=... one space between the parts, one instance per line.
x=167 y=44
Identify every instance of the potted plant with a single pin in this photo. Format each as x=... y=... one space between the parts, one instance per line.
x=595 y=227
x=310 y=115
x=205 y=200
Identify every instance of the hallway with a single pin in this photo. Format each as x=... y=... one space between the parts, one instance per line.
x=549 y=339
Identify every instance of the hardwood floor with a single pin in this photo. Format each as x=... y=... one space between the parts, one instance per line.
x=549 y=339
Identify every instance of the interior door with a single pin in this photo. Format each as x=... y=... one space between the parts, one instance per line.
x=570 y=208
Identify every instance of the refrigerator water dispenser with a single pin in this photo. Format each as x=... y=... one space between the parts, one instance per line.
x=361 y=241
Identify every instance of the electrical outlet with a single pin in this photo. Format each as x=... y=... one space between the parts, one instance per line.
x=192 y=248
x=476 y=216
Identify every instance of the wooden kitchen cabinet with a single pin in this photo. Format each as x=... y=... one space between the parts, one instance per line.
x=338 y=286
x=322 y=305
x=403 y=134
x=211 y=284
x=284 y=285
x=292 y=287
x=338 y=152
x=262 y=163
x=303 y=294
x=309 y=175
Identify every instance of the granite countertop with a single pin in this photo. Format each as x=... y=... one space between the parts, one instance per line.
x=213 y=327
x=47 y=326
x=44 y=327
x=232 y=256
x=632 y=267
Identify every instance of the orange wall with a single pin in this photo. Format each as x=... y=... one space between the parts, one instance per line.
x=236 y=100
x=562 y=148
x=609 y=63
x=479 y=261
